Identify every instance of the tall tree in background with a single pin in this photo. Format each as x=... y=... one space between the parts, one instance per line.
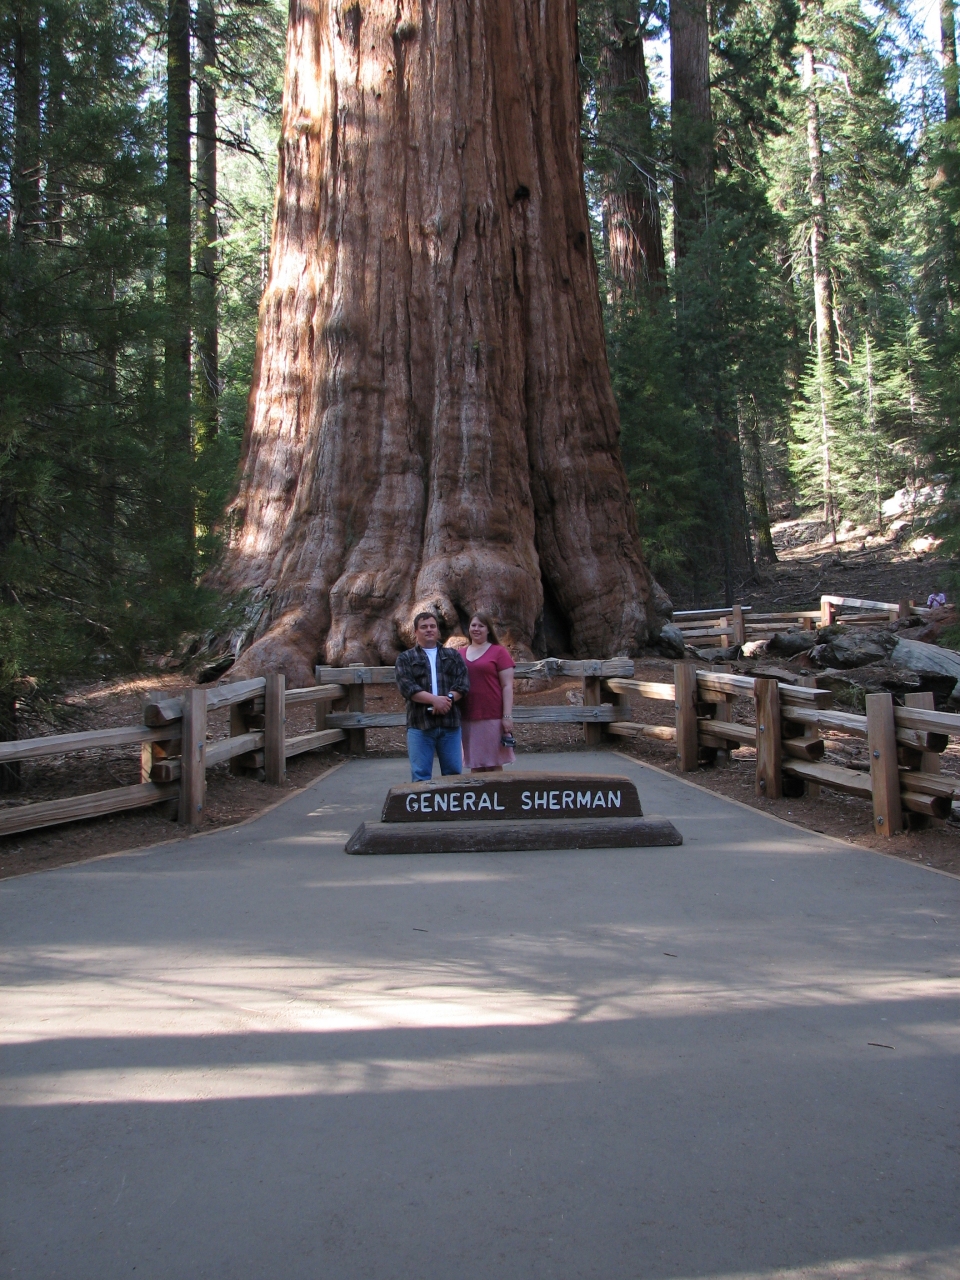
x=179 y=267
x=632 y=231
x=208 y=233
x=691 y=118
x=826 y=329
x=432 y=416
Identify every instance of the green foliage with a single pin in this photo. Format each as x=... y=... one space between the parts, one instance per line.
x=94 y=572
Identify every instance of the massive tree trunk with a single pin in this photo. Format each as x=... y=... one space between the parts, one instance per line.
x=631 y=209
x=431 y=420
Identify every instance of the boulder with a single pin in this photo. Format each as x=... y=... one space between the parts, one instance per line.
x=755 y=648
x=938 y=668
x=854 y=649
x=670 y=642
x=790 y=643
x=877 y=677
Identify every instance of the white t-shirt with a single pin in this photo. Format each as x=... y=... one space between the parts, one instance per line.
x=432 y=659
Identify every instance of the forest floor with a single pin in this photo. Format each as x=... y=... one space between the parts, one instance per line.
x=860 y=565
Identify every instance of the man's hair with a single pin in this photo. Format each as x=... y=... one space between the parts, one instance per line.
x=425 y=614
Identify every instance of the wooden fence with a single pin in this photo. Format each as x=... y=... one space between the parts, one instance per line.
x=904 y=743
x=175 y=752
x=703 y=628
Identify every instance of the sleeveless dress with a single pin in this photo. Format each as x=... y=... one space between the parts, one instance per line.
x=483 y=710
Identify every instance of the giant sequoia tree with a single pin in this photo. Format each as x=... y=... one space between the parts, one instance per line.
x=431 y=419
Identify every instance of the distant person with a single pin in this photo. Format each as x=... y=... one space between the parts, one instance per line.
x=433 y=680
x=936 y=600
x=488 y=709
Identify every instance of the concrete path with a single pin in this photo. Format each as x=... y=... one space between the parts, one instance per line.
x=249 y=1055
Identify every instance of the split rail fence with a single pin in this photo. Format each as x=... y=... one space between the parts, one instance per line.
x=703 y=628
x=904 y=743
x=175 y=752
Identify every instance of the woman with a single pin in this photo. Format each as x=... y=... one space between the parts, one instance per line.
x=487 y=715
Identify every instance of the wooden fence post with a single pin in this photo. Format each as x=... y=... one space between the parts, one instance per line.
x=905 y=611
x=356 y=701
x=929 y=760
x=827 y=611
x=739 y=626
x=811 y=789
x=274 y=729
x=592 y=733
x=193 y=757
x=884 y=768
x=685 y=705
x=769 y=748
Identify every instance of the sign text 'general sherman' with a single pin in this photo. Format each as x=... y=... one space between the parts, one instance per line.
x=513 y=795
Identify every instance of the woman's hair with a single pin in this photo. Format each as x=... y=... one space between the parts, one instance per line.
x=485 y=619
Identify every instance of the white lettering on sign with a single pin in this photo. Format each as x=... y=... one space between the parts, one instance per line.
x=475 y=801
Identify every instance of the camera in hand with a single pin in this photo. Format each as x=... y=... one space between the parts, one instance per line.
x=508 y=740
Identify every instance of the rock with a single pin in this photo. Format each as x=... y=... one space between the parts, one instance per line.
x=790 y=643
x=718 y=655
x=754 y=648
x=854 y=649
x=670 y=641
x=877 y=677
x=935 y=666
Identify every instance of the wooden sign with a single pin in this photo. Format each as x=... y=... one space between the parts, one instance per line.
x=518 y=837
x=501 y=796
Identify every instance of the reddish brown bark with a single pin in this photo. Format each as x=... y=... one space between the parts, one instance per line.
x=431 y=420
x=691 y=116
x=631 y=208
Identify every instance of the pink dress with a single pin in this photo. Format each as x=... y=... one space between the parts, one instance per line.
x=483 y=710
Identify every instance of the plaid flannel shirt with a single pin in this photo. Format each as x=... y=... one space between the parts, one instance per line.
x=413 y=676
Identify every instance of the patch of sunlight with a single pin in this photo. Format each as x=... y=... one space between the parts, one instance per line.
x=229 y=1082
x=407 y=877
x=447 y=981
x=924 y=1264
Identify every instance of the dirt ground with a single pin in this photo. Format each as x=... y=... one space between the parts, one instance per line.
x=860 y=566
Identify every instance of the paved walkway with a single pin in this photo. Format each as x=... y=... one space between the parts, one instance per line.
x=251 y=1056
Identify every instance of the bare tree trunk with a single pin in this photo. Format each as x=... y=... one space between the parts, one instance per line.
x=822 y=286
x=178 y=263
x=760 y=513
x=631 y=209
x=691 y=118
x=431 y=419
x=207 y=221
x=948 y=51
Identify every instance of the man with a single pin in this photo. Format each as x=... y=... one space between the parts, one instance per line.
x=433 y=680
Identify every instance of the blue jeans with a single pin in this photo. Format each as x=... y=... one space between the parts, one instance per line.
x=421 y=744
